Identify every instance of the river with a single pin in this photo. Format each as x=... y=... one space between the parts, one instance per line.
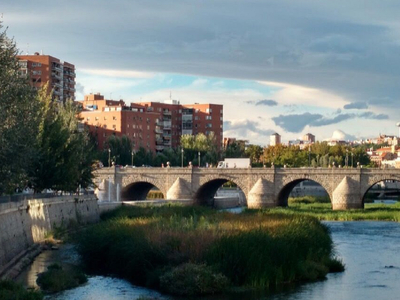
x=370 y=251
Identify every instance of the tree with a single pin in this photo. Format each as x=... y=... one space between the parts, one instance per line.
x=255 y=153
x=18 y=119
x=205 y=144
x=64 y=155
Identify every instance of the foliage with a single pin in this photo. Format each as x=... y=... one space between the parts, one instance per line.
x=235 y=150
x=18 y=119
x=144 y=244
x=64 y=155
x=55 y=279
x=10 y=290
x=323 y=211
x=320 y=155
x=193 y=279
x=41 y=146
x=206 y=145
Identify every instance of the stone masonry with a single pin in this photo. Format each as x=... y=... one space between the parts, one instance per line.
x=262 y=187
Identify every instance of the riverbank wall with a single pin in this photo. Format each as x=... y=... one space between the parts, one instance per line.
x=24 y=224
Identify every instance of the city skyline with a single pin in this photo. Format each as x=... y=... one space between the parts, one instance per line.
x=286 y=67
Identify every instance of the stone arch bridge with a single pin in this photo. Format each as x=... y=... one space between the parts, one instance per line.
x=262 y=187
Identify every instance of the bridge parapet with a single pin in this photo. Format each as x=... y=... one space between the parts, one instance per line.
x=261 y=186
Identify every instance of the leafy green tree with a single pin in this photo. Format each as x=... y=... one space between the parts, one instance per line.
x=255 y=153
x=205 y=144
x=235 y=150
x=18 y=119
x=64 y=155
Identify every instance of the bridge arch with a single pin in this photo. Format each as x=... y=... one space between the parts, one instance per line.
x=137 y=191
x=288 y=186
x=208 y=188
x=375 y=180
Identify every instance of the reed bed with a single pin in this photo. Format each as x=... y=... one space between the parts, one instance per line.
x=323 y=211
x=148 y=245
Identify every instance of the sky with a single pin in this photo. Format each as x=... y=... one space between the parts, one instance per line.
x=291 y=67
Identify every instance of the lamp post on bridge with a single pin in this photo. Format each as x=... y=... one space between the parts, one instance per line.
x=182 y=157
x=132 y=154
x=347 y=158
x=109 y=157
x=309 y=155
x=352 y=154
x=199 y=159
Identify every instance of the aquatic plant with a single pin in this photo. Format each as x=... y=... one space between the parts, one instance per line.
x=256 y=248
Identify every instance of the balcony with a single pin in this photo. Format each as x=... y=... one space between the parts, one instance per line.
x=158 y=130
x=56 y=75
x=56 y=67
x=159 y=141
x=167 y=136
x=159 y=148
x=167 y=143
x=166 y=113
x=167 y=125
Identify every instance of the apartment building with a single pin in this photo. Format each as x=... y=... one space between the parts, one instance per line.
x=42 y=69
x=152 y=125
x=275 y=139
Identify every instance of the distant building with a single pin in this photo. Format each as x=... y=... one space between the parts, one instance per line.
x=310 y=138
x=152 y=125
x=275 y=139
x=42 y=69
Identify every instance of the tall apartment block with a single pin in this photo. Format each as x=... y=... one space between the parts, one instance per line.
x=152 y=125
x=309 y=138
x=45 y=68
x=275 y=139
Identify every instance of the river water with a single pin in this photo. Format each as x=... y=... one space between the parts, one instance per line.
x=370 y=251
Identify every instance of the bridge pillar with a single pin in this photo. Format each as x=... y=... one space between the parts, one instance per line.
x=347 y=195
x=261 y=195
x=179 y=190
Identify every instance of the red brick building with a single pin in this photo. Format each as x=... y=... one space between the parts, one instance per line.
x=152 y=125
x=45 y=68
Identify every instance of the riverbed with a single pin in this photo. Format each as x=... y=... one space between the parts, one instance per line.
x=370 y=251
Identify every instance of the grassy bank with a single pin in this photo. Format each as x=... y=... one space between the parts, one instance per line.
x=10 y=290
x=192 y=250
x=322 y=210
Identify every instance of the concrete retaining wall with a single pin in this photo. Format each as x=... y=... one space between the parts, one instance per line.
x=24 y=223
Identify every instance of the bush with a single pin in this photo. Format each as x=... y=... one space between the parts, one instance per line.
x=55 y=279
x=155 y=246
x=10 y=290
x=193 y=279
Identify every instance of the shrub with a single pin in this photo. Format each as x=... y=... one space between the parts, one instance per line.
x=55 y=279
x=193 y=279
x=10 y=290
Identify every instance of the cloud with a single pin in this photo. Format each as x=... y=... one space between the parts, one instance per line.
x=118 y=73
x=291 y=94
x=339 y=135
x=245 y=129
x=356 y=105
x=297 y=122
x=267 y=102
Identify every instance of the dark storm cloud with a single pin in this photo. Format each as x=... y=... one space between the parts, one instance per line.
x=267 y=102
x=297 y=122
x=336 y=47
x=356 y=105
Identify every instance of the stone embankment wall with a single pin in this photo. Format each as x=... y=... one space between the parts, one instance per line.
x=26 y=223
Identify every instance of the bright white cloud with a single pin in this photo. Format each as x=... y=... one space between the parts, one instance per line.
x=295 y=94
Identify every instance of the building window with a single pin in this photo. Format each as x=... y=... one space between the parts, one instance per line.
x=114 y=118
x=97 y=118
x=148 y=127
x=36 y=72
x=208 y=125
x=208 y=117
x=127 y=125
x=105 y=118
x=87 y=119
x=208 y=110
